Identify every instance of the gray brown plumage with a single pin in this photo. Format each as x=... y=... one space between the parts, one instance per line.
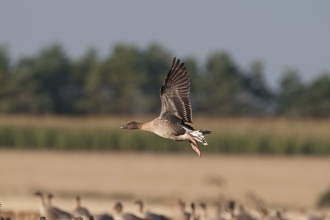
x=104 y=216
x=243 y=214
x=79 y=210
x=149 y=215
x=174 y=95
x=176 y=110
x=194 y=216
x=49 y=199
x=185 y=215
x=51 y=212
x=119 y=214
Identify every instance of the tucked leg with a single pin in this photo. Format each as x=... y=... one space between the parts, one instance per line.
x=193 y=144
x=195 y=148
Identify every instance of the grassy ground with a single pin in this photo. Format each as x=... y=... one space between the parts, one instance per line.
x=230 y=135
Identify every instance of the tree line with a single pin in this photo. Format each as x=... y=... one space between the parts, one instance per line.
x=127 y=81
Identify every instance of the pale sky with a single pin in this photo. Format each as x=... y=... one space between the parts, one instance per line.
x=281 y=33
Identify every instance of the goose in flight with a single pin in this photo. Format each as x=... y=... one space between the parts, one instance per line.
x=176 y=110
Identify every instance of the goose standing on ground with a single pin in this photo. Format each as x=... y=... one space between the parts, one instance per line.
x=119 y=215
x=243 y=214
x=43 y=205
x=149 y=215
x=101 y=217
x=194 y=216
x=186 y=215
x=278 y=216
x=175 y=112
x=51 y=212
x=56 y=212
x=80 y=211
x=205 y=216
x=49 y=199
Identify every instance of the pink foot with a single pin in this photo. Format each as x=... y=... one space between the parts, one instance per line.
x=196 y=149
x=193 y=144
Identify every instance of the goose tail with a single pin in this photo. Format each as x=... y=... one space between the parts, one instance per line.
x=199 y=135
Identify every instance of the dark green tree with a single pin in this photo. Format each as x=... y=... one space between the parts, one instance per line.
x=125 y=74
x=258 y=96
x=4 y=75
x=4 y=64
x=128 y=80
x=42 y=83
x=94 y=93
x=197 y=84
x=317 y=97
x=290 y=99
x=25 y=92
x=224 y=83
x=156 y=61
x=52 y=70
x=255 y=81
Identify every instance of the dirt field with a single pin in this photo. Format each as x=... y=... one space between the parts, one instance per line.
x=104 y=178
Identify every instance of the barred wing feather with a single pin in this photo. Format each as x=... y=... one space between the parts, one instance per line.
x=174 y=95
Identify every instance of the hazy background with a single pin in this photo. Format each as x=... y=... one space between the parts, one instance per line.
x=73 y=72
x=282 y=34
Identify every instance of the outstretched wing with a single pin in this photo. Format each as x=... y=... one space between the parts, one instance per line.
x=174 y=94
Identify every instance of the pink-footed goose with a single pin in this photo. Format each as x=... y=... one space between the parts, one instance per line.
x=194 y=215
x=149 y=215
x=81 y=211
x=120 y=215
x=176 y=110
x=51 y=212
x=185 y=215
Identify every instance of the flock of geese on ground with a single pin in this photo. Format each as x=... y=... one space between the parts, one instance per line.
x=50 y=212
x=225 y=210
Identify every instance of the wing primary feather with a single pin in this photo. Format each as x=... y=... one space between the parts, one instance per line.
x=180 y=74
x=175 y=94
x=172 y=70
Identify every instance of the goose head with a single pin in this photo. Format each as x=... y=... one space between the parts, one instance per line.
x=132 y=125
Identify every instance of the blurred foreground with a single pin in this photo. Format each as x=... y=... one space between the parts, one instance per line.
x=102 y=179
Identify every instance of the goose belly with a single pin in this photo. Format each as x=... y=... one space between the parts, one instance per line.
x=172 y=136
x=169 y=130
